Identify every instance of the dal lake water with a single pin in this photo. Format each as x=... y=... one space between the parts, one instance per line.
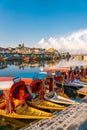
x=14 y=68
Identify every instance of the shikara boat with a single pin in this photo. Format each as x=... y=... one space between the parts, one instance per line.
x=32 y=112
x=37 y=86
x=53 y=97
x=22 y=111
x=78 y=82
x=67 y=76
x=71 y=85
x=26 y=112
x=45 y=105
x=29 y=113
x=63 y=80
x=69 y=89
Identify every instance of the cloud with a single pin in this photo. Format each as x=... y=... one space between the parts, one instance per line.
x=73 y=43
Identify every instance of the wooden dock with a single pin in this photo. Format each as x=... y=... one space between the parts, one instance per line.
x=69 y=119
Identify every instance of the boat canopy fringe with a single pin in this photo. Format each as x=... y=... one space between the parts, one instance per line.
x=15 y=89
x=36 y=84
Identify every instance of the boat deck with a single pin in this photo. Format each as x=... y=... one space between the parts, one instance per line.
x=69 y=119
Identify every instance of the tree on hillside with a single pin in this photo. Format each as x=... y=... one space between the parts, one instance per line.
x=19 y=45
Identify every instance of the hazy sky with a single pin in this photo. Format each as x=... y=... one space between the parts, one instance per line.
x=43 y=23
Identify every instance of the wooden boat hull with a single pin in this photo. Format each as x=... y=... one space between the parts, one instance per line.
x=33 y=112
x=53 y=97
x=26 y=112
x=82 y=91
x=69 y=84
x=83 y=79
x=43 y=104
x=78 y=82
x=70 y=91
x=73 y=90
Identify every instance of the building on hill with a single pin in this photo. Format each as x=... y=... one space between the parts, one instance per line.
x=52 y=51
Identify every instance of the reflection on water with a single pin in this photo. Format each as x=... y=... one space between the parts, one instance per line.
x=12 y=124
x=3 y=65
x=14 y=68
x=22 y=65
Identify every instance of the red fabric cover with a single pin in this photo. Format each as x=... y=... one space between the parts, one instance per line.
x=16 y=88
x=58 y=78
x=35 y=85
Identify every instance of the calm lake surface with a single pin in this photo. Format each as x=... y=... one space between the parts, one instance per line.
x=14 y=68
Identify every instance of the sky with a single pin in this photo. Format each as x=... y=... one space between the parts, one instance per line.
x=59 y=24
